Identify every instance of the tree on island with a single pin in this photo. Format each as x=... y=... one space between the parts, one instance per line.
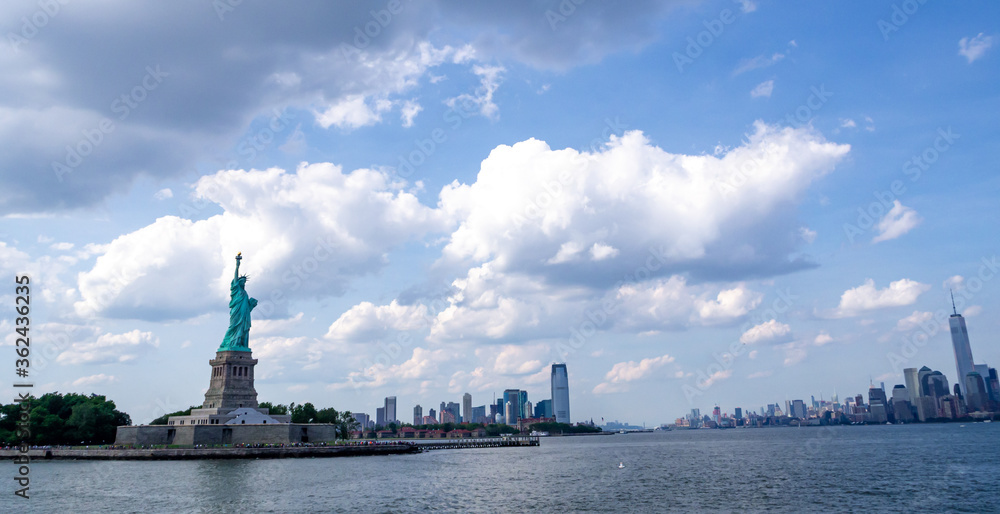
x=64 y=419
x=307 y=413
x=497 y=429
x=276 y=409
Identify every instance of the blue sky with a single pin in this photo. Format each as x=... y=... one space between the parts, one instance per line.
x=440 y=208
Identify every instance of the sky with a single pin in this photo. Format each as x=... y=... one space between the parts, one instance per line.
x=690 y=203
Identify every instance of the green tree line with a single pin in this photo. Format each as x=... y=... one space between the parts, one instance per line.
x=70 y=419
x=564 y=428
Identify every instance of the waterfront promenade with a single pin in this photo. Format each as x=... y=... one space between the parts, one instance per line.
x=215 y=452
x=351 y=449
x=479 y=442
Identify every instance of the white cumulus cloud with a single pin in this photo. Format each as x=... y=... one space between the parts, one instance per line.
x=409 y=111
x=956 y=282
x=822 y=339
x=769 y=331
x=599 y=252
x=914 y=321
x=763 y=89
x=533 y=207
x=482 y=101
x=368 y=321
x=100 y=378
x=866 y=297
x=353 y=112
x=302 y=234
x=624 y=372
x=110 y=348
x=898 y=221
x=975 y=47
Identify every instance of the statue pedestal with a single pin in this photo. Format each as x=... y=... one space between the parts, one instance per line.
x=232 y=381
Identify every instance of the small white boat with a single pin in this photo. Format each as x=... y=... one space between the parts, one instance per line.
x=621 y=465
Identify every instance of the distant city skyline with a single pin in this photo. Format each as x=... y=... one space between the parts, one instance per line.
x=922 y=392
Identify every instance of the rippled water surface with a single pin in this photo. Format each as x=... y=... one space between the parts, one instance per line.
x=930 y=468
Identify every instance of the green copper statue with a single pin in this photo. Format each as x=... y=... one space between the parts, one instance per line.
x=240 y=304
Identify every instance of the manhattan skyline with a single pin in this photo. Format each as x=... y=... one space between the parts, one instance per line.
x=699 y=202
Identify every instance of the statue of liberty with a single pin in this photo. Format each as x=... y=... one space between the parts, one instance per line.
x=240 y=304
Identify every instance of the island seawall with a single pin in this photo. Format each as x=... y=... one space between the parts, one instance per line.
x=211 y=453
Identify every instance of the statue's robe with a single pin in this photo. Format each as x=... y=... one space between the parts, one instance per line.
x=240 y=305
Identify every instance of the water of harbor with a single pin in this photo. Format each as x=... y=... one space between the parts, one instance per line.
x=922 y=468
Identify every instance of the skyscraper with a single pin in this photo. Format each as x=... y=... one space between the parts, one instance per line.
x=960 y=340
x=390 y=409
x=453 y=409
x=467 y=408
x=512 y=399
x=976 y=396
x=993 y=385
x=877 y=410
x=901 y=405
x=543 y=409
x=560 y=393
x=380 y=417
x=418 y=415
x=523 y=402
x=912 y=384
x=798 y=409
x=478 y=413
x=933 y=387
x=361 y=418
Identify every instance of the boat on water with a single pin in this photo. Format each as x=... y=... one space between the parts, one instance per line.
x=621 y=465
x=535 y=433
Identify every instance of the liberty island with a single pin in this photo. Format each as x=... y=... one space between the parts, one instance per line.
x=230 y=413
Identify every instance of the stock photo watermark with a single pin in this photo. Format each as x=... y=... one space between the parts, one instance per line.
x=800 y=116
x=32 y=24
x=887 y=199
x=898 y=17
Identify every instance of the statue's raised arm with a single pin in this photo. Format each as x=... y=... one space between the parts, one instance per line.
x=240 y=305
